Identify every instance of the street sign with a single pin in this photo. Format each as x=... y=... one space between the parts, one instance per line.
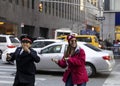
x=100 y=18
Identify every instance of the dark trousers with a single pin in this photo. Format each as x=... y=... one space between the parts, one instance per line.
x=23 y=84
x=70 y=83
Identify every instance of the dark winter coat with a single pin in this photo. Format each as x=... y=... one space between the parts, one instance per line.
x=25 y=66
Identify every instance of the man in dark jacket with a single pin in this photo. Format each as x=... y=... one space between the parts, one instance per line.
x=25 y=57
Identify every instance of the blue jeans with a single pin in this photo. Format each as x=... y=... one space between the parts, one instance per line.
x=70 y=83
x=83 y=84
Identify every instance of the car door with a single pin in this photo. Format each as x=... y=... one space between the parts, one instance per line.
x=54 y=51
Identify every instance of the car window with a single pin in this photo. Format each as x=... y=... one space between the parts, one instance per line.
x=52 y=49
x=2 y=39
x=48 y=42
x=92 y=47
x=13 y=40
x=96 y=40
x=38 y=44
x=84 y=39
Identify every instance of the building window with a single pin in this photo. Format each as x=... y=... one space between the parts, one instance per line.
x=66 y=11
x=33 y=4
x=49 y=7
x=46 y=7
x=16 y=1
x=60 y=10
x=10 y=1
x=23 y=3
x=63 y=7
x=28 y=3
x=56 y=9
x=53 y=8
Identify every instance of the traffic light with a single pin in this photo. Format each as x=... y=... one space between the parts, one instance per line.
x=40 y=7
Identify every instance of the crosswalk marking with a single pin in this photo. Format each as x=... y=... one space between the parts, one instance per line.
x=3 y=72
x=7 y=78
x=40 y=79
x=12 y=77
x=6 y=82
x=8 y=67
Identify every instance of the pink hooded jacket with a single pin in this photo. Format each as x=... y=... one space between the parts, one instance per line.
x=75 y=66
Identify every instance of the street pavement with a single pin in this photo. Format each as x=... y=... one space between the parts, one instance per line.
x=7 y=72
x=6 y=77
x=114 y=77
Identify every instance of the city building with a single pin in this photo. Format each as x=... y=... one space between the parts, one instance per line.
x=40 y=18
x=18 y=17
x=111 y=24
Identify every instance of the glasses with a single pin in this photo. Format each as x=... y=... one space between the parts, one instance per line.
x=73 y=40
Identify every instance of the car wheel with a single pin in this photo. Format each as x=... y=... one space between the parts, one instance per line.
x=90 y=70
x=0 y=53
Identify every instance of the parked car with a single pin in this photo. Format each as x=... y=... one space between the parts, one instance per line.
x=36 y=45
x=97 y=60
x=8 y=41
x=43 y=42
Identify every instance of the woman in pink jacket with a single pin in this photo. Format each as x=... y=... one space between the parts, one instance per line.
x=74 y=60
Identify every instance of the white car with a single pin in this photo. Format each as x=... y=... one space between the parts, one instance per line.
x=97 y=60
x=8 y=41
x=36 y=45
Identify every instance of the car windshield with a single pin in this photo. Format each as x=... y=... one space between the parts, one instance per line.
x=14 y=40
x=62 y=38
x=40 y=44
x=92 y=47
x=84 y=39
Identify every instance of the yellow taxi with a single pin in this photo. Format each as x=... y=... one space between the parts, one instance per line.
x=92 y=39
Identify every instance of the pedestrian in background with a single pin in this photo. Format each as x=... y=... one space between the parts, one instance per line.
x=74 y=60
x=25 y=57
